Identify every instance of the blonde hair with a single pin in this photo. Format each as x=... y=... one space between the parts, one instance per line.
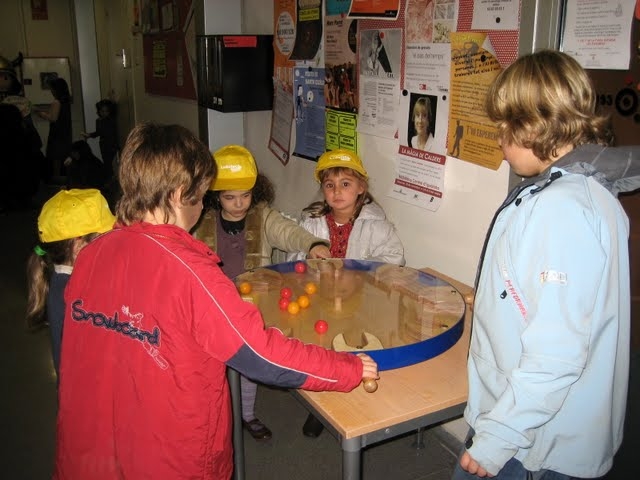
x=545 y=101
x=320 y=209
x=422 y=105
x=156 y=161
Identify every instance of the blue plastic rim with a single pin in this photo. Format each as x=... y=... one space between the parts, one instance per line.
x=405 y=355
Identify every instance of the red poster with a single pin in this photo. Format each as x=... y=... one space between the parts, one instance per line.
x=168 y=45
x=39 y=10
x=375 y=9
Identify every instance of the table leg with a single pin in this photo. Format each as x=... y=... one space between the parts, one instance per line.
x=236 y=408
x=351 y=459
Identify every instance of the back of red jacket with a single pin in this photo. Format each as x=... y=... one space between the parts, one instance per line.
x=151 y=323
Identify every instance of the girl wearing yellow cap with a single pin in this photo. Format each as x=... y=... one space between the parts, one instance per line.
x=355 y=225
x=241 y=227
x=68 y=221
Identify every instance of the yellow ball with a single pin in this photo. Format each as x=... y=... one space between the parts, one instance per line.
x=293 y=308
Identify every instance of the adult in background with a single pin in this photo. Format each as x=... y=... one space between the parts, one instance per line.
x=60 y=136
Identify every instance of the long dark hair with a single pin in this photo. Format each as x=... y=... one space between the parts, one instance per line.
x=60 y=89
x=262 y=191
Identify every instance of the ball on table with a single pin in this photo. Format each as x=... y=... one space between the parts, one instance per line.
x=303 y=301
x=293 y=308
x=286 y=292
x=283 y=303
x=300 y=267
x=321 y=326
x=310 y=288
x=244 y=288
x=370 y=385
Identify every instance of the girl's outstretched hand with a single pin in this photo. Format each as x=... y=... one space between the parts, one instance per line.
x=320 y=251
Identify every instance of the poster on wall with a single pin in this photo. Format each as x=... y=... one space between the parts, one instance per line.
x=284 y=39
x=385 y=9
x=341 y=86
x=474 y=66
x=309 y=112
x=430 y=21
x=503 y=42
x=168 y=48
x=39 y=10
x=342 y=130
x=340 y=82
x=597 y=34
x=492 y=15
x=281 y=119
x=379 y=85
x=424 y=105
x=337 y=7
x=419 y=178
x=308 y=31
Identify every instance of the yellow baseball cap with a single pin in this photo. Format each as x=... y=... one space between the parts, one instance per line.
x=340 y=158
x=74 y=213
x=236 y=169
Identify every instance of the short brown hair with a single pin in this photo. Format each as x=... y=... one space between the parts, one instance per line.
x=156 y=161
x=545 y=101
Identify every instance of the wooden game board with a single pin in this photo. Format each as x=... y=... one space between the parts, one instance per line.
x=400 y=315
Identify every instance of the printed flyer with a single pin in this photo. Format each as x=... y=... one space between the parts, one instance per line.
x=474 y=66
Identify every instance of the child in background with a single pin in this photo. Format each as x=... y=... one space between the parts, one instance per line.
x=241 y=227
x=549 y=357
x=349 y=217
x=351 y=220
x=107 y=131
x=68 y=221
x=152 y=324
x=84 y=169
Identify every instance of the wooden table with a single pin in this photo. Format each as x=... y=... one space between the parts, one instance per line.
x=407 y=399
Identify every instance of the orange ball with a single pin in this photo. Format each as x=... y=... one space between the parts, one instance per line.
x=244 y=288
x=303 y=301
x=293 y=308
x=310 y=288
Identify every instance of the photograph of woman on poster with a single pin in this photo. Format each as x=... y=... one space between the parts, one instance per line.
x=421 y=122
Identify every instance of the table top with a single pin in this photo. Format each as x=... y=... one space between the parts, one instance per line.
x=399 y=315
x=405 y=393
x=425 y=312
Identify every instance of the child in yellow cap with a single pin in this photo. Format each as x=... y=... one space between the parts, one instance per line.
x=241 y=227
x=355 y=225
x=68 y=221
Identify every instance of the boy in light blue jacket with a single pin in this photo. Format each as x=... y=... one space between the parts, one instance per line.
x=549 y=357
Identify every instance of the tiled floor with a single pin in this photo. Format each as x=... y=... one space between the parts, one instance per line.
x=28 y=405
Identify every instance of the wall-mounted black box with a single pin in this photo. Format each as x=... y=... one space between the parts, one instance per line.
x=235 y=72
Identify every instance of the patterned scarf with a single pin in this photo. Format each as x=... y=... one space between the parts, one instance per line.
x=338 y=236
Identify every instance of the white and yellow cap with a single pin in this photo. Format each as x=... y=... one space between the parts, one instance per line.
x=236 y=169
x=340 y=158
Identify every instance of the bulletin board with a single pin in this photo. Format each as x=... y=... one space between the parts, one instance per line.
x=168 y=29
x=37 y=71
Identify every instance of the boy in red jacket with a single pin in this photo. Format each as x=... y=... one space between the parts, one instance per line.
x=151 y=324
